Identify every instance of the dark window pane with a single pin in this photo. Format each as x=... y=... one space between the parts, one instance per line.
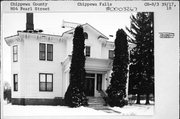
x=49 y=56
x=42 y=55
x=49 y=52
x=42 y=47
x=42 y=86
x=111 y=54
x=88 y=48
x=42 y=51
x=85 y=35
x=16 y=87
x=49 y=48
x=49 y=87
x=15 y=81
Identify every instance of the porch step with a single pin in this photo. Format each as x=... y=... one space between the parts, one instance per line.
x=95 y=101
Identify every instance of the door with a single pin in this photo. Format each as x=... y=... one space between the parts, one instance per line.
x=99 y=82
x=89 y=86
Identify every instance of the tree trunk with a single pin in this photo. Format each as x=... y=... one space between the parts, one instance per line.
x=138 y=99
x=147 y=99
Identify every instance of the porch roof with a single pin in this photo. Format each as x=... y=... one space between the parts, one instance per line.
x=91 y=64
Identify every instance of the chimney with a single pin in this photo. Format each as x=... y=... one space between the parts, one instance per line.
x=29 y=21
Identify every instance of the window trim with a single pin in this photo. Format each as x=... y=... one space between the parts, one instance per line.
x=45 y=82
x=15 y=83
x=42 y=51
x=49 y=52
x=15 y=53
x=89 y=51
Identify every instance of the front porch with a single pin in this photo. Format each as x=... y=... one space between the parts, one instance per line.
x=97 y=75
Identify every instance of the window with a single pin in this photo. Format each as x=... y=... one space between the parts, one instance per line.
x=15 y=81
x=85 y=35
x=15 y=53
x=111 y=54
x=45 y=82
x=49 y=52
x=87 y=51
x=42 y=51
x=99 y=82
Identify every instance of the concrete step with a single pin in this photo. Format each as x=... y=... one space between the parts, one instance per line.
x=95 y=101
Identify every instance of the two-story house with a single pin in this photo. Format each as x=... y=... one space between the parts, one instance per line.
x=41 y=64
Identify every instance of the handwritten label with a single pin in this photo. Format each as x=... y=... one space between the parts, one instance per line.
x=168 y=5
x=166 y=35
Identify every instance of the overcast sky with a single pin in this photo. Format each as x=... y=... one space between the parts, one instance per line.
x=50 y=23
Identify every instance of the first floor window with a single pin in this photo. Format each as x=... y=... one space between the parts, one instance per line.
x=45 y=82
x=15 y=81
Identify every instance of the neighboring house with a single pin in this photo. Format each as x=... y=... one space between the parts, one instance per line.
x=41 y=64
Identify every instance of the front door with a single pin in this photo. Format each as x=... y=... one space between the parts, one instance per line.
x=89 y=84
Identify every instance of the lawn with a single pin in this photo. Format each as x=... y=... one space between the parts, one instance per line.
x=134 y=109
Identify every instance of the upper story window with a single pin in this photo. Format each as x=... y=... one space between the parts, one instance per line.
x=85 y=35
x=15 y=53
x=42 y=51
x=87 y=51
x=111 y=54
x=45 y=82
x=15 y=82
x=49 y=52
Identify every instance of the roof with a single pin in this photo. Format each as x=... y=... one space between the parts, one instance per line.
x=86 y=24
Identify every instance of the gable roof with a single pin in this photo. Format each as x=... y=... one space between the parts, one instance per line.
x=101 y=35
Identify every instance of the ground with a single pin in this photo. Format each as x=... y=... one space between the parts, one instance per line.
x=134 y=109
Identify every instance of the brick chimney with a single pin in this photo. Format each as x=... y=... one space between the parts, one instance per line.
x=29 y=21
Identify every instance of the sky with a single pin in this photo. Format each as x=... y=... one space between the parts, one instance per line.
x=50 y=23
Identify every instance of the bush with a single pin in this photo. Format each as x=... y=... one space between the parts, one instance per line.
x=7 y=95
x=74 y=97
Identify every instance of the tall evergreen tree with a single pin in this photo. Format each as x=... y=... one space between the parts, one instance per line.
x=116 y=90
x=75 y=96
x=142 y=56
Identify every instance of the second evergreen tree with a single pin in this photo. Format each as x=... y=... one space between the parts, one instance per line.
x=116 y=90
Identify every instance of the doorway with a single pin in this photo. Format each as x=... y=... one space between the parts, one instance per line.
x=89 y=84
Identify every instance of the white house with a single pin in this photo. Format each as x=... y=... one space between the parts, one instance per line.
x=41 y=64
